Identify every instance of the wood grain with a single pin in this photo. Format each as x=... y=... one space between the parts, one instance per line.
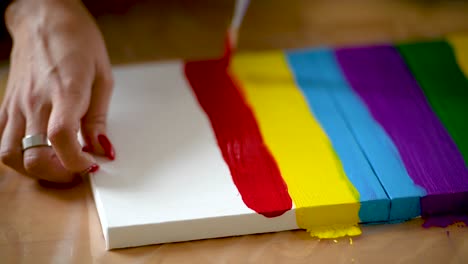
x=61 y=226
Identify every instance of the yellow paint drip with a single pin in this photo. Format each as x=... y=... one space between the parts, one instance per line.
x=335 y=231
x=459 y=44
x=327 y=204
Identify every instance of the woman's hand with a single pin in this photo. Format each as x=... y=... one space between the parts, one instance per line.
x=60 y=81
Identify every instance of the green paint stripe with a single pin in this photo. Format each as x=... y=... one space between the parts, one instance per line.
x=435 y=68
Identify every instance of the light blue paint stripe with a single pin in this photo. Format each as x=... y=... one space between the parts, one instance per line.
x=373 y=140
x=312 y=70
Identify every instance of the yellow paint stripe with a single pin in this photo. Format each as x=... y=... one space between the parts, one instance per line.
x=459 y=44
x=327 y=204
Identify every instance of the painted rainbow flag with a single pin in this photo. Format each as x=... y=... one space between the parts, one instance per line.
x=348 y=135
x=319 y=139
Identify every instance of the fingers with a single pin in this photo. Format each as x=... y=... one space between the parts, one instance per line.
x=4 y=111
x=3 y=121
x=42 y=162
x=62 y=131
x=38 y=162
x=12 y=127
x=10 y=147
x=93 y=124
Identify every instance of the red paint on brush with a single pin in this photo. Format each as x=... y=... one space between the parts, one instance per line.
x=253 y=169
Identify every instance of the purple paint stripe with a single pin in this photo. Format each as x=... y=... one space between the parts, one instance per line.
x=381 y=78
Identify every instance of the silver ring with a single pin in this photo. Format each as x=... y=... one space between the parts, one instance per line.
x=33 y=141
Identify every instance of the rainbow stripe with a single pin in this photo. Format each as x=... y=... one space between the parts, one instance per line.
x=382 y=79
x=359 y=135
x=306 y=159
x=370 y=159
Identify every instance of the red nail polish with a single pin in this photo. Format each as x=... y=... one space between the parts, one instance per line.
x=107 y=146
x=93 y=168
x=89 y=145
x=86 y=149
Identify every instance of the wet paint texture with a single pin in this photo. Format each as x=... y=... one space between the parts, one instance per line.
x=327 y=204
x=381 y=78
x=317 y=76
x=376 y=145
x=434 y=66
x=252 y=167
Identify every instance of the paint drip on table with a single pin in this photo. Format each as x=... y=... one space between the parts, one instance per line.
x=344 y=136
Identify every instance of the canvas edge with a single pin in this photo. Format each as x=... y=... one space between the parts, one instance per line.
x=101 y=212
x=200 y=229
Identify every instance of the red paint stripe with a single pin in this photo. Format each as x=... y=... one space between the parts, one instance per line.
x=253 y=169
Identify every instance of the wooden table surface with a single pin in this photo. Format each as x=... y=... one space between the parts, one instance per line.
x=40 y=225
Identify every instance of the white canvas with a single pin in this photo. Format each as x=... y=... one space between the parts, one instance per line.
x=169 y=181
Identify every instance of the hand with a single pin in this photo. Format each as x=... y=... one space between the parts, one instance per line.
x=60 y=81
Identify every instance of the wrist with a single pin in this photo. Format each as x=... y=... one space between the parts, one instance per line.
x=20 y=13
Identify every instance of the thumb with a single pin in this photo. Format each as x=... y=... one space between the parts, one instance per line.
x=93 y=124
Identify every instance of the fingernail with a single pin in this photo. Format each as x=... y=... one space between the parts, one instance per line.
x=91 y=169
x=89 y=146
x=107 y=146
x=86 y=149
